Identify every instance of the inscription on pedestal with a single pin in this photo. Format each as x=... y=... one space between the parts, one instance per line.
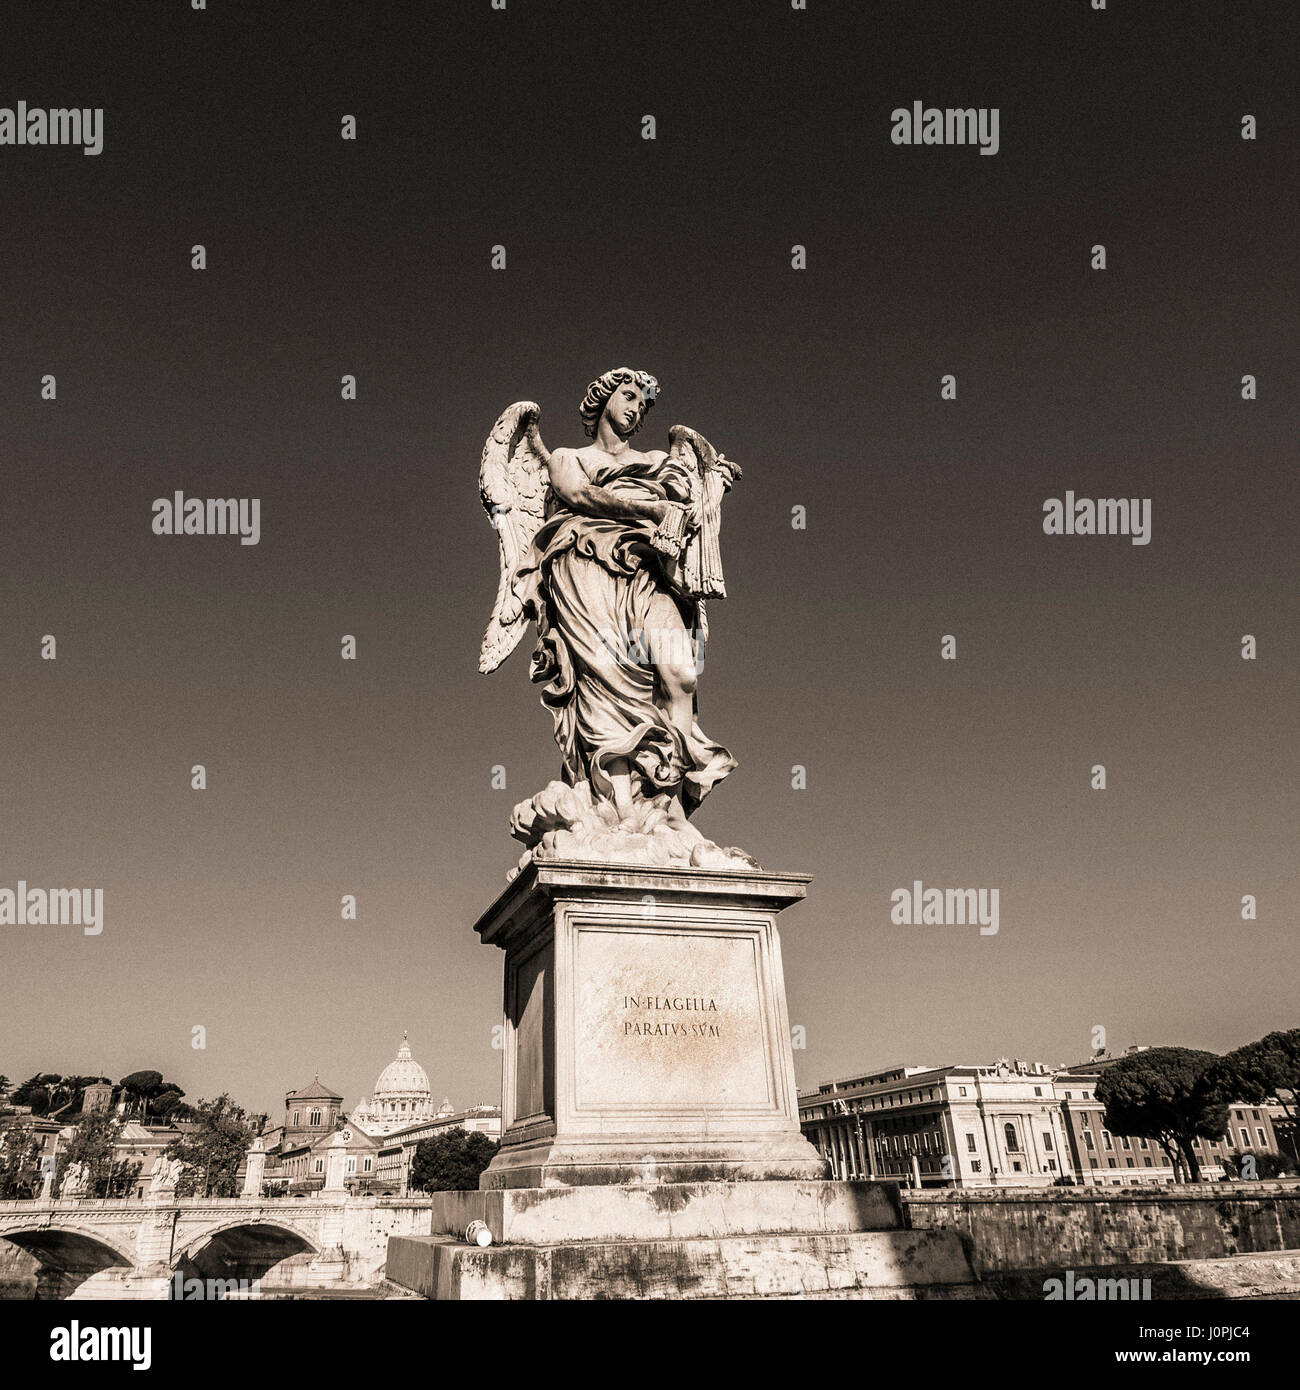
x=671 y=1019
x=676 y=1003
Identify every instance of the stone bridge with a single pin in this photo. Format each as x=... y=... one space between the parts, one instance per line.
x=219 y=1247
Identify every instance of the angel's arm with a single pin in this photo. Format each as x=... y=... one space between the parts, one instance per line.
x=572 y=486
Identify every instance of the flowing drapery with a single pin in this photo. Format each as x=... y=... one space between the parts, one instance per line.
x=592 y=582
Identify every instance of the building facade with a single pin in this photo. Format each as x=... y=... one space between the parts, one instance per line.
x=1013 y=1124
x=965 y=1126
x=397 y=1151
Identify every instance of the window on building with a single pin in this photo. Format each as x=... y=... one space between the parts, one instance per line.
x=1047 y=1141
x=367 y=1164
x=1051 y=1163
x=296 y=1113
x=1259 y=1133
x=1038 y=1090
x=1087 y=1139
x=1110 y=1162
x=1142 y=1143
x=1129 y=1161
x=961 y=1090
x=1016 y=1166
x=976 y=1166
x=1124 y=1139
x=320 y=1165
x=1147 y=1161
x=970 y=1144
x=1245 y=1138
x=352 y=1164
x=315 y=1117
x=1106 y=1136
x=1013 y=1144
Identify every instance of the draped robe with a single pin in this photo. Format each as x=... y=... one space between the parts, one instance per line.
x=590 y=582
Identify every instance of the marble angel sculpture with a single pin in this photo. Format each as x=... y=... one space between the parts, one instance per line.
x=611 y=554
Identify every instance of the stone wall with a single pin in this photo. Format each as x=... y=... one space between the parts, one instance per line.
x=19 y=1272
x=367 y=1225
x=1060 y=1228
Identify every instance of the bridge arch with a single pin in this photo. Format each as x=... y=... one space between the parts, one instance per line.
x=66 y=1255
x=241 y=1257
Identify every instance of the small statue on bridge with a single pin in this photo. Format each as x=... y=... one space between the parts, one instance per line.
x=74 y=1181
x=164 y=1175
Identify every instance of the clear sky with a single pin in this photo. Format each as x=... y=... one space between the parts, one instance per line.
x=1118 y=908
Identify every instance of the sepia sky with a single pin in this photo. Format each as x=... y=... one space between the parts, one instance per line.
x=1118 y=908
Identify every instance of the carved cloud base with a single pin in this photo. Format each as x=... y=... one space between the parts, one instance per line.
x=564 y=822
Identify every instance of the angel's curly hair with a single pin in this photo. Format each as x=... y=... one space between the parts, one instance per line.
x=600 y=390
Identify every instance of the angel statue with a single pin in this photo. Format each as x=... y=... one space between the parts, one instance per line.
x=612 y=553
x=75 y=1179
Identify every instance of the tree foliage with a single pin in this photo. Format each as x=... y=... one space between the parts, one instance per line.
x=451 y=1162
x=20 y=1157
x=214 y=1149
x=48 y=1091
x=92 y=1145
x=148 y=1094
x=1162 y=1094
x=1263 y=1069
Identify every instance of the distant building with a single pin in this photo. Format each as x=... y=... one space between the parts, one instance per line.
x=397 y=1151
x=1013 y=1124
x=403 y=1096
x=302 y=1167
x=311 y=1115
x=965 y=1126
x=97 y=1097
x=140 y=1145
x=308 y=1113
x=135 y=1144
x=47 y=1133
x=381 y=1134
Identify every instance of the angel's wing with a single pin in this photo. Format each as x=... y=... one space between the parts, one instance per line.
x=690 y=450
x=513 y=482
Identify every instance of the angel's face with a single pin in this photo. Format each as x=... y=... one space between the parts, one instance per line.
x=625 y=409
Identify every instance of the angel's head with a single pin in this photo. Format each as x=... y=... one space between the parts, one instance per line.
x=624 y=394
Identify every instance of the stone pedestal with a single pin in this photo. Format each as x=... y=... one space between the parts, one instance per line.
x=650 y=1128
x=646 y=1033
x=255 y=1169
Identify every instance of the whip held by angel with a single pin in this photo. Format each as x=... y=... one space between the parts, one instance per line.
x=611 y=554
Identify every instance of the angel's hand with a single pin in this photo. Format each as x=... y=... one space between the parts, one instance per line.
x=729 y=469
x=690 y=510
x=677 y=484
